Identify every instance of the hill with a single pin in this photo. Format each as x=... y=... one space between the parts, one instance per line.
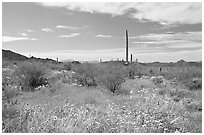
x=12 y=56
x=179 y=63
x=8 y=55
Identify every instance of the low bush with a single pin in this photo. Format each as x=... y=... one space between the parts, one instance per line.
x=162 y=92
x=158 y=80
x=151 y=72
x=132 y=71
x=194 y=84
x=178 y=95
x=10 y=93
x=192 y=107
x=67 y=66
x=18 y=123
x=112 y=78
x=32 y=75
x=54 y=66
x=85 y=74
x=112 y=82
x=9 y=101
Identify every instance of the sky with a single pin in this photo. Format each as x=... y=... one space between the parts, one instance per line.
x=165 y=32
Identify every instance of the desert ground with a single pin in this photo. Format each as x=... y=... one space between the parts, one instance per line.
x=104 y=97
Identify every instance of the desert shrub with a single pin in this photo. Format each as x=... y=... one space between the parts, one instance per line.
x=112 y=77
x=183 y=93
x=54 y=66
x=194 y=124
x=18 y=123
x=132 y=71
x=9 y=101
x=169 y=75
x=10 y=93
x=162 y=92
x=68 y=66
x=177 y=95
x=184 y=75
x=157 y=80
x=32 y=75
x=151 y=72
x=194 y=84
x=192 y=107
x=85 y=74
x=6 y=79
x=112 y=82
x=6 y=63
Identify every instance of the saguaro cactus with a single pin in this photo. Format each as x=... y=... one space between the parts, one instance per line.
x=126 y=46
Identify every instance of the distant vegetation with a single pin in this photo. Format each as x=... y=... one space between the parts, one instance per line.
x=42 y=95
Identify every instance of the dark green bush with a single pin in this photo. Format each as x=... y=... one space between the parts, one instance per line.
x=32 y=75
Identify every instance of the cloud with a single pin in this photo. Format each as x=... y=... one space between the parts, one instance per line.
x=103 y=36
x=169 y=41
x=187 y=36
x=73 y=28
x=47 y=30
x=164 y=13
x=147 y=42
x=71 y=35
x=28 y=30
x=162 y=26
x=67 y=27
x=23 y=34
x=169 y=44
x=11 y=39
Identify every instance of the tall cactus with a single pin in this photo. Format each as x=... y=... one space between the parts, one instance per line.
x=127 y=46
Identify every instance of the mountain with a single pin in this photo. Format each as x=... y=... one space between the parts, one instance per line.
x=12 y=56
x=179 y=63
